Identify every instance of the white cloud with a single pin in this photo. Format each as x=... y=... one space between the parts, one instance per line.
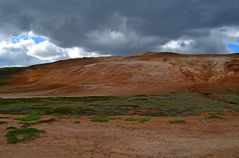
x=24 y=51
x=46 y=51
x=180 y=45
x=77 y=52
x=215 y=42
x=108 y=37
x=231 y=32
x=119 y=39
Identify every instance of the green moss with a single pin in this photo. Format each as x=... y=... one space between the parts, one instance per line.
x=31 y=123
x=169 y=104
x=49 y=121
x=215 y=116
x=177 y=121
x=21 y=135
x=11 y=128
x=100 y=119
x=29 y=118
x=2 y=122
x=26 y=124
x=138 y=119
x=166 y=106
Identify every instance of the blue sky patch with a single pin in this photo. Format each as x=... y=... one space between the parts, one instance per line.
x=233 y=47
x=26 y=36
x=17 y=39
x=38 y=39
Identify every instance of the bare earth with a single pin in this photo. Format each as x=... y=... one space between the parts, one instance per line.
x=139 y=74
x=197 y=138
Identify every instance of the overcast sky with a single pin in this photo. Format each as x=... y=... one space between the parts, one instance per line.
x=38 y=31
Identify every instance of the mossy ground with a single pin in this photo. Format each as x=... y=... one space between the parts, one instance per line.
x=16 y=135
x=100 y=119
x=170 y=104
x=29 y=118
x=215 y=116
x=138 y=119
x=177 y=121
x=2 y=122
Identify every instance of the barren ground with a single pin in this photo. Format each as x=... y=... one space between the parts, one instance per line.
x=199 y=137
x=145 y=73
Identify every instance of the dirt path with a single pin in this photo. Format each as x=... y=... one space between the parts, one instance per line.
x=197 y=138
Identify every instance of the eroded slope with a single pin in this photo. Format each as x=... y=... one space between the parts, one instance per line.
x=139 y=74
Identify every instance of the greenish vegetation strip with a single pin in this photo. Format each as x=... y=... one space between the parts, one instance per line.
x=215 y=116
x=29 y=118
x=2 y=122
x=100 y=119
x=31 y=123
x=170 y=104
x=12 y=91
x=177 y=121
x=138 y=119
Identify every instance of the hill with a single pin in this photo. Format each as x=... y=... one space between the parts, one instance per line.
x=130 y=75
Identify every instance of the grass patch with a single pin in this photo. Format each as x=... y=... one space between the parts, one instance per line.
x=11 y=128
x=177 y=121
x=28 y=124
x=100 y=119
x=215 y=116
x=166 y=106
x=2 y=122
x=169 y=104
x=231 y=97
x=138 y=119
x=29 y=118
x=114 y=118
x=21 y=135
x=49 y=121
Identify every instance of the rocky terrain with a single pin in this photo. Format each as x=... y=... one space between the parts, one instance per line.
x=130 y=75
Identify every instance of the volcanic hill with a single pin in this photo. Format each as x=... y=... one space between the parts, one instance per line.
x=130 y=75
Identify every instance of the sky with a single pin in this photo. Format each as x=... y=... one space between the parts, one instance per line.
x=41 y=31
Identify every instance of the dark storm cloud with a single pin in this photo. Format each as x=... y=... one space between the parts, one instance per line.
x=123 y=27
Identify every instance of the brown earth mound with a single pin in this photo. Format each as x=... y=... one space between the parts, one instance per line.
x=131 y=75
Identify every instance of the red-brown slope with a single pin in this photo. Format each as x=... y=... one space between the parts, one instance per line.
x=138 y=74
